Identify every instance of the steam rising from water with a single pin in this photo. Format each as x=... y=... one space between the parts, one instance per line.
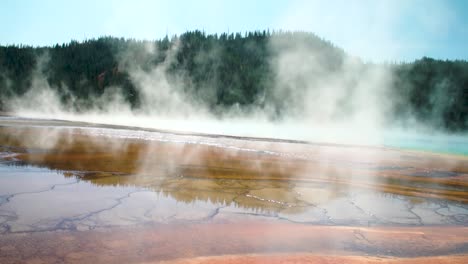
x=327 y=99
x=338 y=100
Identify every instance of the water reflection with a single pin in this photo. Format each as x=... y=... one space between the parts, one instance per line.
x=208 y=188
x=107 y=157
x=324 y=184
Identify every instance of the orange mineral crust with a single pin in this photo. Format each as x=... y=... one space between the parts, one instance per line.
x=83 y=193
x=271 y=241
x=317 y=259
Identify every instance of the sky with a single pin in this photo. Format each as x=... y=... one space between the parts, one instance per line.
x=375 y=30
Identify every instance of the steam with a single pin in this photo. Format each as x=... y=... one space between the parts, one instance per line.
x=325 y=96
x=161 y=95
x=343 y=97
x=40 y=94
x=322 y=94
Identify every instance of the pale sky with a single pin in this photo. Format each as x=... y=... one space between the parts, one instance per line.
x=377 y=30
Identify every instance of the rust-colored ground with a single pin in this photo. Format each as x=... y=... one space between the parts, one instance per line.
x=317 y=259
x=293 y=242
x=106 y=160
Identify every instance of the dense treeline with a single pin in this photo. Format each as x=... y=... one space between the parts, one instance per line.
x=434 y=91
x=220 y=71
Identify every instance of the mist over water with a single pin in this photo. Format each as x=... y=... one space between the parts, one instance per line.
x=325 y=96
x=237 y=147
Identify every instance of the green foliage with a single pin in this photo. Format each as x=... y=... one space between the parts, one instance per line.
x=434 y=91
x=221 y=71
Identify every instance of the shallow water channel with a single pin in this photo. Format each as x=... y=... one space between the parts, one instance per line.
x=80 y=193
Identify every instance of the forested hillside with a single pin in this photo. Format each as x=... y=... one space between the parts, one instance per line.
x=222 y=71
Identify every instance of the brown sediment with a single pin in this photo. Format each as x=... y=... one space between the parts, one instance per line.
x=270 y=241
x=316 y=259
x=278 y=182
x=104 y=160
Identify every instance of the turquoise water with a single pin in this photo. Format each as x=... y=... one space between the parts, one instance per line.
x=450 y=144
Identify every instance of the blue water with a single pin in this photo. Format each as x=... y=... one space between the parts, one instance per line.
x=450 y=144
